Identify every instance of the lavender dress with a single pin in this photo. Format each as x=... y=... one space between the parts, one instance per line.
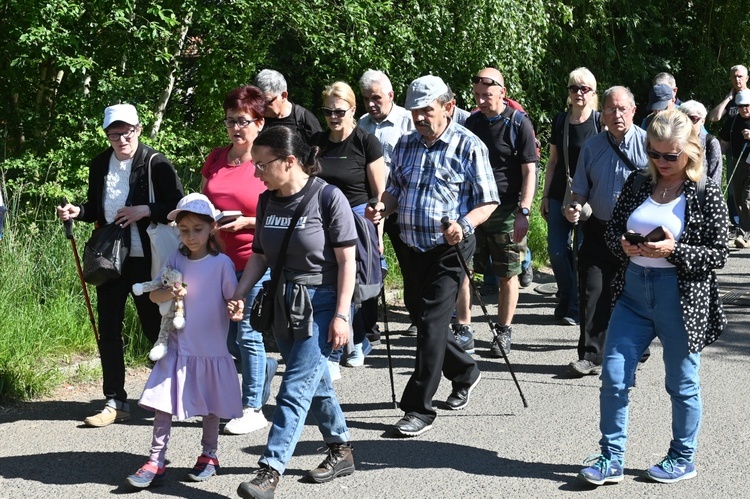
x=197 y=376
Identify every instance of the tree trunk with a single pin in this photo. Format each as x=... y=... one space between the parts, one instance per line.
x=173 y=66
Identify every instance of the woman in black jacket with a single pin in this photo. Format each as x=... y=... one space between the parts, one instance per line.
x=118 y=192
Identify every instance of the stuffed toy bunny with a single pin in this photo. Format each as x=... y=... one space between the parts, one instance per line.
x=172 y=311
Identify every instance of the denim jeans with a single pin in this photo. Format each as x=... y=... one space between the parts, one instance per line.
x=246 y=344
x=306 y=387
x=649 y=308
x=559 y=245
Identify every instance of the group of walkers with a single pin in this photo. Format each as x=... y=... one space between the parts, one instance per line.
x=635 y=217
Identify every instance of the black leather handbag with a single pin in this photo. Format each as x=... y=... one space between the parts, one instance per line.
x=105 y=253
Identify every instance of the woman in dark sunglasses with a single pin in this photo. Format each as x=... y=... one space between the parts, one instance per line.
x=570 y=130
x=352 y=160
x=664 y=289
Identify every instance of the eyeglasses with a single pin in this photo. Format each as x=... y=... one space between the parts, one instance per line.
x=617 y=110
x=115 y=137
x=574 y=89
x=671 y=157
x=694 y=119
x=484 y=80
x=241 y=123
x=336 y=113
x=262 y=167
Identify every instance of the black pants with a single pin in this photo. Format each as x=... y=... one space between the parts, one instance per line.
x=110 y=308
x=597 y=268
x=401 y=249
x=434 y=278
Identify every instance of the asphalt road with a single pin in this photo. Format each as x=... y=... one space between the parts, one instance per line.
x=493 y=448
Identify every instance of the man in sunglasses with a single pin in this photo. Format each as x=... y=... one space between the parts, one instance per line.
x=513 y=156
x=280 y=111
x=735 y=143
x=605 y=162
x=440 y=170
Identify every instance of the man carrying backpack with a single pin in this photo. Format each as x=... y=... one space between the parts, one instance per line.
x=440 y=170
x=509 y=136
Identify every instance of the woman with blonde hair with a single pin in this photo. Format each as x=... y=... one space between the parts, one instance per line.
x=353 y=161
x=666 y=288
x=570 y=130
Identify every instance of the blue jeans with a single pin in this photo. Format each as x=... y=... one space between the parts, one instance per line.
x=306 y=387
x=246 y=344
x=559 y=245
x=649 y=308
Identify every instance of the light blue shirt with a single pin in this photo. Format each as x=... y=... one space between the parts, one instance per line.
x=397 y=123
x=601 y=173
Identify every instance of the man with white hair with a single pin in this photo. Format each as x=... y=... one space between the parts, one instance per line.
x=735 y=138
x=728 y=107
x=712 y=161
x=279 y=110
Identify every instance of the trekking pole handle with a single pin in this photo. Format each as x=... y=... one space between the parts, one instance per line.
x=575 y=205
x=445 y=222
x=68 y=224
x=373 y=202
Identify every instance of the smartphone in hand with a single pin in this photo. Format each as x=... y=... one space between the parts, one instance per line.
x=654 y=236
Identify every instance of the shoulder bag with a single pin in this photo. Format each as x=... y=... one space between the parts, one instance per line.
x=568 y=198
x=165 y=238
x=105 y=253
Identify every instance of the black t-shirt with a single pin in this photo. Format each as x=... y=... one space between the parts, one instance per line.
x=578 y=134
x=345 y=163
x=506 y=166
x=300 y=119
x=732 y=132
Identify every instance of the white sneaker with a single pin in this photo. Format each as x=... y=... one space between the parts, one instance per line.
x=251 y=420
x=334 y=370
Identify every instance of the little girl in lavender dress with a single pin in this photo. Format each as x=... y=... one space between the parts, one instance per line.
x=197 y=376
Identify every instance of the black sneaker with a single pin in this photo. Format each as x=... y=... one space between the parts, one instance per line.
x=339 y=462
x=585 y=367
x=411 y=426
x=526 y=277
x=263 y=486
x=464 y=336
x=459 y=398
x=502 y=339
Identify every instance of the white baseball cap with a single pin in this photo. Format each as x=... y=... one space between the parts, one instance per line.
x=194 y=203
x=742 y=98
x=423 y=91
x=120 y=112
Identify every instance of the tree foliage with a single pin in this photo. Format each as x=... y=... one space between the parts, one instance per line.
x=62 y=62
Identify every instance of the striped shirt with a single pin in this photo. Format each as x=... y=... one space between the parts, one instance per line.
x=451 y=177
x=601 y=173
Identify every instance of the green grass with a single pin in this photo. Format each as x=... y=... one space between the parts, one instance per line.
x=43 y=317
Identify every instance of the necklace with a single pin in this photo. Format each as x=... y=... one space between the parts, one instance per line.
x=236 y=161
x=665 y=190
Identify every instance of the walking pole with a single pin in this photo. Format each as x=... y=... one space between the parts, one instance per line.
x=372 y=202
x=68 y=224
x=744 y=146
x=493 y=325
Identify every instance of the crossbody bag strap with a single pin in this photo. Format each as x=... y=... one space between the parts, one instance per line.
x=151 y=196
x=311 y=191
x=616 y=148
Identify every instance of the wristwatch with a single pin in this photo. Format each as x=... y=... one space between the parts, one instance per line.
x=466 y=227
x=525 y=211
x=343 y=317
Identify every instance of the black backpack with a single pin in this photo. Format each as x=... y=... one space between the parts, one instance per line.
x=369 y=279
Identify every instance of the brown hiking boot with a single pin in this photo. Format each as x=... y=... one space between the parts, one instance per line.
x=339 y=462
x=263 y=486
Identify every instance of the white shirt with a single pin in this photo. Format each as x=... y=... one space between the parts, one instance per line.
x=116 y=189
x=397 y=123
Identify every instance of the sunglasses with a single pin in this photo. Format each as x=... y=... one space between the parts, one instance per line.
x=694 y=119
x=574 y=89
x=336 y=113
x=671 y=157
x=484 y=80
x=242 y=122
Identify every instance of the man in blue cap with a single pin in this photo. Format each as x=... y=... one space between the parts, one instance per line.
x=660 y=97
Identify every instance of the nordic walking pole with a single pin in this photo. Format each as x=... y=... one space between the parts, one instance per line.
x=372 y=202
x=744 y=146
x=68 y=224
x=493 y=326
